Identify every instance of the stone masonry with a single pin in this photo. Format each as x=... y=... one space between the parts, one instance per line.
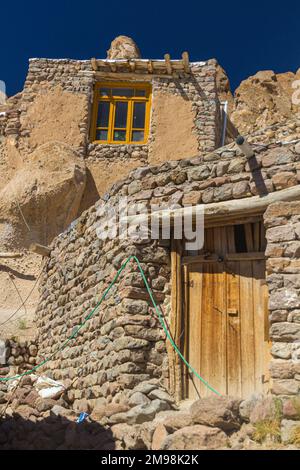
x=122 y=350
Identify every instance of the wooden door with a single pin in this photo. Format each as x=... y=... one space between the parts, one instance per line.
x=226 y=325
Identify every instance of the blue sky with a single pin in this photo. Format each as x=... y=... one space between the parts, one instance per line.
x=244 y=37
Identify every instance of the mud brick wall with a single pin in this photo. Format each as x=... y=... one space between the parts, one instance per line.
x=56 y=104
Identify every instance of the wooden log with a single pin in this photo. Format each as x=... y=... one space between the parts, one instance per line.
x=40 y=249
x=150 y=66
x=132 y=66
x=113 y=66
x=94 y=64
x=176 y=320
x=10 y=255
x=168 y=63
x=131 y=75
x=186 y=62
x=245 y=207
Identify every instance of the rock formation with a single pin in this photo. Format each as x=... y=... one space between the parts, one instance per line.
x=44 y=192
x=261 y=100
x=123 y=47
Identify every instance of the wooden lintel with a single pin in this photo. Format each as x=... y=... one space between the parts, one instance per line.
x=246 y=207
x=186 y=62
x=94 y=64
x=213 y=258
x=131 y=76
x=40 y=249
x=168 y=63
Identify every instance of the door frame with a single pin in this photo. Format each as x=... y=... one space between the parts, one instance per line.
x=178 y=385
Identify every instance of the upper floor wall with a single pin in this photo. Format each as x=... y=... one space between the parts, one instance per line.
x=58 y=102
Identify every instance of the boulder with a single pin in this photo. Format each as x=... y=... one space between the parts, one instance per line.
x=222 y=412
x=197 y=437
x=123 y=47
x=174 y=420
x=266 y=409
x=247 y=406
x=45 y=191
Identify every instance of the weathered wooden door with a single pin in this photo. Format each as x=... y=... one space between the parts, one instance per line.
x=227 y=324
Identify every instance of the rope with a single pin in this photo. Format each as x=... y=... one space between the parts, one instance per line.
x=74 y=334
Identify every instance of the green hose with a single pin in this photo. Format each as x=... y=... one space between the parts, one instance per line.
x=161 y=319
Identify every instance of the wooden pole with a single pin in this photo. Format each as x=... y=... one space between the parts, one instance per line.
x=94 y=64
x=10 y=255
x=168 y=63
x=40 y=249
x=186 y=62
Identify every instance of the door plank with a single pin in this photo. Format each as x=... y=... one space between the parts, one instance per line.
x=213 y=332
x=256 y=236
x=234 y=373
x=247 y=329
x=230 y=239
x=258 y=268
x=194 y=349
x=249 y=237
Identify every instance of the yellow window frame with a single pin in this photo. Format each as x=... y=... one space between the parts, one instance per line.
x=113 y=99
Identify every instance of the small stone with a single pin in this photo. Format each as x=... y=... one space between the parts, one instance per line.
x=138 y=398
x=161 y=395
x=159 y=435
x=288 y=430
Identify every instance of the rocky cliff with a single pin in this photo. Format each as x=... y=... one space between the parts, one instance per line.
x=261 y=100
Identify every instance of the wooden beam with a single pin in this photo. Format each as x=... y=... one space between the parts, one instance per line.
x=245 y=207
x=150 y=66
x=186 y=62
x=132 y=66
x=168 y=63
x=40 y=249
x=113 y=66
x=131 y=76
x=176 y=385
x=94 y=64
x=9 y=254
x=213 y=258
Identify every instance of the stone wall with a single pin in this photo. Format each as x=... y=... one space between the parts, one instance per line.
x=282 y=221
x=122 y=350
x=17 y=355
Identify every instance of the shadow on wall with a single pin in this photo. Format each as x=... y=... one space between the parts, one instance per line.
x=53 y=432
x=90 y=195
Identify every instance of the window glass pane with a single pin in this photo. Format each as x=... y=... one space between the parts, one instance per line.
x=121 y=114
x=104 y=91
x=101 y=134
x=139 y=115
x=122 y=91
x=137 y=136
x=120 y=135
x=139 y=92
x=103 y=114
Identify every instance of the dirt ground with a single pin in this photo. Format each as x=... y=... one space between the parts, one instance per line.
x=19 y=295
